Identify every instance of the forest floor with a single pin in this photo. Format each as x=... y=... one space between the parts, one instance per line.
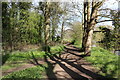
x=69 y=64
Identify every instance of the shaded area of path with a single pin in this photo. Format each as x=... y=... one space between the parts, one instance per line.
x=70 y=64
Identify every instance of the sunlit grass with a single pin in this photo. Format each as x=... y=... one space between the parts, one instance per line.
x=18 y=58
x=22 y=56
x=36 y=72
x=9 y=66
x=56 y=49
x=104 y=61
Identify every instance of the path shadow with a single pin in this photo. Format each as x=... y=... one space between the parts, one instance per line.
x=87 y=72
x=73 y=74
x=74 y=49
x=79 y=67
x=35 y=61
x=49 y=69
x=73 y=52
x=82 y=55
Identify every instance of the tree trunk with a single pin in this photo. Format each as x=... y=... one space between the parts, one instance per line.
x=85 y=25
x=53 y=34
x=47 y=35
x=11 y=43
x=47 y=27
x=53 y=30
x=90 y=17
x=62 y=29
x=88 y=42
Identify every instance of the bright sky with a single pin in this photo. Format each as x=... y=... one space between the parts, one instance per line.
x=112 y=4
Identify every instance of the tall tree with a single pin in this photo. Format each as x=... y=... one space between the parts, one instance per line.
x=90 y=17
x=51 y=12
x=5 y=24
x=20 y=24
x=45 y=8
x=64 y=18
x=56 y=11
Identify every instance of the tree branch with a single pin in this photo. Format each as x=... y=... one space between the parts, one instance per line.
x=104 y=9
x=107 y=20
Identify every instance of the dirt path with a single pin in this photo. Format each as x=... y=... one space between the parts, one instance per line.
x=71 y=65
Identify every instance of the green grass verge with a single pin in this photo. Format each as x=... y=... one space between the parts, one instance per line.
x=9 y=66
x=22 y=56
x=18 y=56
x=104 y=61
x=36 y=72
x=16 y=59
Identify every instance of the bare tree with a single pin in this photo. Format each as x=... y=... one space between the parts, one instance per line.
x=90 y=17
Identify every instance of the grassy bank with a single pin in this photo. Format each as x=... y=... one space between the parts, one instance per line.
x=105 y=61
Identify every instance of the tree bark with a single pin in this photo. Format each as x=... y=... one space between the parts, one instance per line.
x=88 y=42
x=85 y=25
x=47 y=26
x=89 y=24
x=62 y=29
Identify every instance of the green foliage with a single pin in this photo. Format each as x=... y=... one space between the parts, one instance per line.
x=111 y=37
x=77 y=32
x=116 y=32
x=31 y=29
x=24 y=23
x=33 y=73
x=108 y=37
x=20 y=25
x=105 y=61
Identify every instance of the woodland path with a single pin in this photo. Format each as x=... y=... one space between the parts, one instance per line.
x=69 y=65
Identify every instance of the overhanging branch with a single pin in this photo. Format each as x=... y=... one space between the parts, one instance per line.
x=107 y=20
